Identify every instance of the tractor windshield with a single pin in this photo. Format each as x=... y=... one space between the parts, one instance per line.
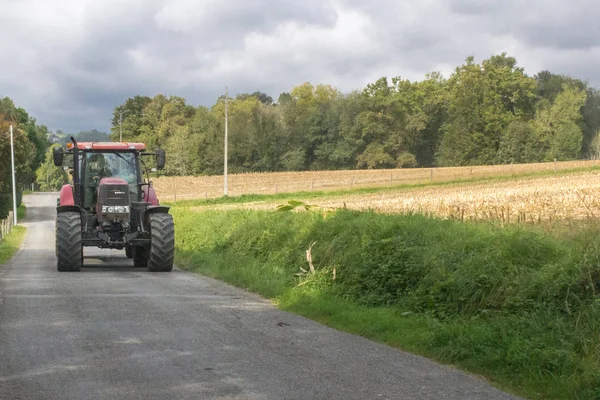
x=109 y=164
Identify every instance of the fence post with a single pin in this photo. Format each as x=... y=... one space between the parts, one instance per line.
x=351 y=182
x=311 y=185
x=555 y=165
x=431 y=175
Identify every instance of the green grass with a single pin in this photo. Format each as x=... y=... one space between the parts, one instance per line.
x=11 y=243
x=20 y=212
x=245 y=198
x=519 y=307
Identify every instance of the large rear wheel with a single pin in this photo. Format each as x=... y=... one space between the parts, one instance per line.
x=69 y=251
x=161 y=253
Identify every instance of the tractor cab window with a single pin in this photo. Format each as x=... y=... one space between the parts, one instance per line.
x=110 y=164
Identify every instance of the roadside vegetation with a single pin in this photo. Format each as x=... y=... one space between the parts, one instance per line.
x=516 y=305
x=11 y=243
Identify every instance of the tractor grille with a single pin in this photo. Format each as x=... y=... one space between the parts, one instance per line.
x=113 y=195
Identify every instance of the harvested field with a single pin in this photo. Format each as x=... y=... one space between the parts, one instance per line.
x=198 y=187
x=570 y=196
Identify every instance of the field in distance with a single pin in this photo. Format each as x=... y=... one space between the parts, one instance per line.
x=573 y=195
x=175 y=188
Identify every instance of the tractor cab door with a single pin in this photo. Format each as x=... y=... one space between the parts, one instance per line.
x=94 y=169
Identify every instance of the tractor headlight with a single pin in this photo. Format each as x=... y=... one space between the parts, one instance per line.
x=115 y=209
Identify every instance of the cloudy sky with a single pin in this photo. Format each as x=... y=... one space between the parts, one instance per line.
x=70 y=62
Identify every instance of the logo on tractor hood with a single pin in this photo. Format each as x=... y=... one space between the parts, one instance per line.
x=117 y=192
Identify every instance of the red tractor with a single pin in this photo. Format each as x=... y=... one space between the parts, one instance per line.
x=109 y=205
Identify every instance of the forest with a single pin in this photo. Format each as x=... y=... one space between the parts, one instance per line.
x=30 y=143
x=483 y=113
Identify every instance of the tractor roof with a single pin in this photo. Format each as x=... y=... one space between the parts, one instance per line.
x=107 y=146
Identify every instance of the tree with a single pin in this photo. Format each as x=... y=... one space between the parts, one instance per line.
x=92 y=136
x=483 y=100
x=519 y=144
x=559 y=125
x=50 y=177
x=24 y=152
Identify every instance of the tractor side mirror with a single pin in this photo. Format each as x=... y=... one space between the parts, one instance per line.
x=160 y=158
x=58 y=155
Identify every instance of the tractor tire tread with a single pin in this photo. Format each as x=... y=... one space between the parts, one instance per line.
x=69 y=254
x=161 y=254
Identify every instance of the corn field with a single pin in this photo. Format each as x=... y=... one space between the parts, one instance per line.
x=173 y=188
x=519 y=200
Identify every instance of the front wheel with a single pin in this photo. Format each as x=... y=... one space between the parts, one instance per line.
x=161 y=253
x=69 y=250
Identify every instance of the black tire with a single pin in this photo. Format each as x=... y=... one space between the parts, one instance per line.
x=161 y=254
x=140 y=257
x=69 y=251
x=129 y=252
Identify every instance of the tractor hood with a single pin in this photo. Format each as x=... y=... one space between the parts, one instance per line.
x=113 y=181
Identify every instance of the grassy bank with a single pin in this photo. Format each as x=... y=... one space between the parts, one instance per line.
x=516 y=306
x=12 y=242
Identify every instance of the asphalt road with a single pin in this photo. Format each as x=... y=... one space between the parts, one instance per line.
x=115 y=332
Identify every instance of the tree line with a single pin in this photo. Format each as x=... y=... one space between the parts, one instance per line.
x=30 y=147
x=33 y=154
x=483 y=113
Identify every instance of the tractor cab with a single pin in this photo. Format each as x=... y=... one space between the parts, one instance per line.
x=112 y=205
x=118 y=169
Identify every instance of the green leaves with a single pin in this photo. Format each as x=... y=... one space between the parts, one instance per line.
x=49 y=177
x=486 y=112
x=294 y=204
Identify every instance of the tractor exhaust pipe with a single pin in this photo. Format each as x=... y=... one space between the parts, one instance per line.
x=76 y=177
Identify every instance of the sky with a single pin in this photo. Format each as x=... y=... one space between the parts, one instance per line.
x=70 y=62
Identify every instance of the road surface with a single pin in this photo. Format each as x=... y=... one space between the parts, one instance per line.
x=115 y=332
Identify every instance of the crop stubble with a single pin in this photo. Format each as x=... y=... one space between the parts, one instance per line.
x=547 y=198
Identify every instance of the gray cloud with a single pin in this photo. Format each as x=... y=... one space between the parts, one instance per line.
x=69 y=62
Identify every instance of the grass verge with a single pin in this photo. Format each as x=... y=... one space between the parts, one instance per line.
x=245 y=198
x=516 y=306
x=12 y=242
x=20 y=212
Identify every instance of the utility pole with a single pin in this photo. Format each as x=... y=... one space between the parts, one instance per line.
x=225 y=158
x=14 y=183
